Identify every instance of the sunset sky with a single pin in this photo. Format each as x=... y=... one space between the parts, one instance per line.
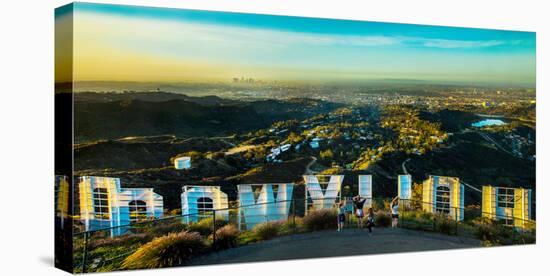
x=128 y=43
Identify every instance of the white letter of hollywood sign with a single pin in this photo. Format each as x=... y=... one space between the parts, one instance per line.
x=323 y=198
x=271 y=203
x=198 y=202
x=365 y=188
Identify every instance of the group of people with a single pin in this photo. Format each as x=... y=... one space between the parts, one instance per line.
x=358 y=204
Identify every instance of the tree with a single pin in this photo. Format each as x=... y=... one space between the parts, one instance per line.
x=326 y=154
x=416 y=195
x=294 y=138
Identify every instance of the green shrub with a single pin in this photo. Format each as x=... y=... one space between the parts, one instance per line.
x=124 y=240
x=425 y=216
x=247 y=237
x=175 y=212
x=444 y=224
x=170 y=250
x=382 y=219
x=267 y=230
x=320 y=220
x=291 y=226
x=488 y=234
x=226 y=237
x=487 y=243
x=472 y=212
x=205 y=226
x=527 y=237
x=166 y=228
x=380 y=204
x=493 y=232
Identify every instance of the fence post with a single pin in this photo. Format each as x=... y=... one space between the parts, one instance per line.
x=434 y=218
x=214 y=228
x=514 y=227
x=456 y=221
x=401 y=203
x=239 y=223
x=294 y=215
x=85 y=255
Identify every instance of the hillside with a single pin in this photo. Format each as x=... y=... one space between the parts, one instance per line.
x=149 y=97
x=111 y=116
x=139 y=152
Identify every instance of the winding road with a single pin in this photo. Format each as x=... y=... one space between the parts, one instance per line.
x=492 y=141
x=403 y=166
x=308 y=167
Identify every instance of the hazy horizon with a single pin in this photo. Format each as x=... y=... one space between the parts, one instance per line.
x=114 y=43
x=178 y=87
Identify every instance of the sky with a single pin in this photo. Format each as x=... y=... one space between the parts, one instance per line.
x=129 y=43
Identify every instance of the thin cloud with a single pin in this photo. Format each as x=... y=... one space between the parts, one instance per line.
x=209 y=35
x=454 y=44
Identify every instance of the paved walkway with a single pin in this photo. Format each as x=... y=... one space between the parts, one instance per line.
x=332 y=244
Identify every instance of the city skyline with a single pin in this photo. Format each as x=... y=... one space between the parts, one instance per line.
x=130 y=43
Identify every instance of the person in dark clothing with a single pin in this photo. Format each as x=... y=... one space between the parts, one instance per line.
x=370 y=220
x=358 y=203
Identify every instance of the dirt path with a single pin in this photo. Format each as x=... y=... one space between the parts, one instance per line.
x=240 y=149
x=494 y=142
x=332 y=244
x=403 y=166
x=308 y=167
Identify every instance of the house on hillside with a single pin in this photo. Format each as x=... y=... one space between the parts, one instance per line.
x=182 y=163
x=314 y=144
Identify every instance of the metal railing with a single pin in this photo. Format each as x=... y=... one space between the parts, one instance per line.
x=435 y=217
x=207 y=222
x=412 y=215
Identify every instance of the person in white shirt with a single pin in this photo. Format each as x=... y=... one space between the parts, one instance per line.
x=394 y=211
x=341 y=218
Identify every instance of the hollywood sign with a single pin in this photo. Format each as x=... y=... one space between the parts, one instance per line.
x=103 y=204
